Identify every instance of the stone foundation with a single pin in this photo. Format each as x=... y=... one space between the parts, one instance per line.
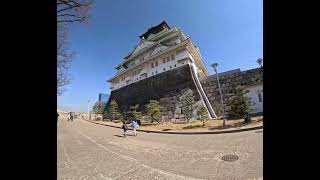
x=168 y=86
x=165 y=87
x=229 y=81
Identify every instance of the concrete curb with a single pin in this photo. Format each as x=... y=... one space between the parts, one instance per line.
x=186 y=133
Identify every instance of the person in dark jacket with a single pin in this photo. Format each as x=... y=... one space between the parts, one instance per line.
x=71 y=116
x=125 y=128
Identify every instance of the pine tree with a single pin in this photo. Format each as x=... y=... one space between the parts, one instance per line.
x=187 y=104
x=153 y=110
x=240 y=104
x=217 y=108
x=202 y=114
x=99 y=107
x=136 y=114
x=113 y=110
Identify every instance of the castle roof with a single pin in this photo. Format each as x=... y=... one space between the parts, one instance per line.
x=155 y=29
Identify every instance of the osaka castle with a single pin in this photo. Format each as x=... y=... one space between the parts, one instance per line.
x=164 y=62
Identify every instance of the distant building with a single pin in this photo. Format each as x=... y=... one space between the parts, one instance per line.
x=103 y=97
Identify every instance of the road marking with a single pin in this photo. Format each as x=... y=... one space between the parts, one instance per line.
x=135 y=160
x=102 y=176
x=65 y=152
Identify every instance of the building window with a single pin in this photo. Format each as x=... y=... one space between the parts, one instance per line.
x=156 y=63
x=156 y=72
x=259 y=96
x=164 y=69
x=152 y=65
x=183 y=63
x=175 y=65
x=152 y=73
x=170 y=67
x=168 y=59
x=164 y=61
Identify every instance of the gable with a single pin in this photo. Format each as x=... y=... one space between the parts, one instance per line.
x=158 y=49
x=143 y=44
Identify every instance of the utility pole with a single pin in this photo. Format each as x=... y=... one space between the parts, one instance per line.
x=215 y=65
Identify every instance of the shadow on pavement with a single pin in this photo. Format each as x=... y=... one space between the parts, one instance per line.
x=118 y=135
x=122 y=135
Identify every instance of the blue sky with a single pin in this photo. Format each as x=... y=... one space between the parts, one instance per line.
x=226 y=31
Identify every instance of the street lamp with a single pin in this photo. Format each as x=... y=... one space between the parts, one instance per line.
x=215 y=65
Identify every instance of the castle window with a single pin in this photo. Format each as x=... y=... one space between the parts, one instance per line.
x=164 y=61
x=152 y=73
x=168 y=59
x=156 y=63
x=152 y=65
x=170 y=67
x=175 y=65
x=164 y=69
x=156 y=72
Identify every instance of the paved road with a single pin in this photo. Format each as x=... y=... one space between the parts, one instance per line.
x=91 y=151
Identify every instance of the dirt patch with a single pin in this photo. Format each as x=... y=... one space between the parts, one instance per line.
x=193 y=125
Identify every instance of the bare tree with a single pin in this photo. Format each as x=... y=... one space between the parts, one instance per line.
x=68 y=11
x=64 y=59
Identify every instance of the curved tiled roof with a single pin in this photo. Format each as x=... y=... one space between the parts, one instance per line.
x=155 y=29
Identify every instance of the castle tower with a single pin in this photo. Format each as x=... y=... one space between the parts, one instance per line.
x=164 y=64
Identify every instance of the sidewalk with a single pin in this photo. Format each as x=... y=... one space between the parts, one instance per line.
x=255 y=126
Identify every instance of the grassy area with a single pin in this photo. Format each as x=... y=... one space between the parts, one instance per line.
x=193 y=125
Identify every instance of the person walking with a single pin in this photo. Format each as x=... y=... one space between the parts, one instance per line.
x=125 y=128
x=69 y=116
x=135 y=126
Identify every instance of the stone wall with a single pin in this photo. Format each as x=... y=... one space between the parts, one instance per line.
x=168 y=86
x=165 y=87
x=229 y=81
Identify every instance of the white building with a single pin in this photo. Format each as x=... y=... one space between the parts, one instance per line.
x=161 y=48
